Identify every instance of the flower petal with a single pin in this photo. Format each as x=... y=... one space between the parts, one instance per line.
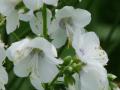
x=81 y=17
x=36 y=23
x=51 y=2
x=23 y=67
x=46 y=66
x=93 y=77
x=86 y=43
x=59 y=37
x=36 y=82
x=6 y=7
x=3 y=78
x=44 y=45
x=33 y=4
x=26 y=16
x=17 y=50
x=12 y=21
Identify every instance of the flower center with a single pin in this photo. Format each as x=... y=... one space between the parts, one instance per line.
x=65 y=21
x=38 y=51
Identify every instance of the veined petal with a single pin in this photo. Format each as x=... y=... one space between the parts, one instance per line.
x=12 y=21
x=33 y=4
x=43 y=65
x=46 y=66
x=93 y=77
x=43 y=45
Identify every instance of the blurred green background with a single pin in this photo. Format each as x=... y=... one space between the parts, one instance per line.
x=105 y=22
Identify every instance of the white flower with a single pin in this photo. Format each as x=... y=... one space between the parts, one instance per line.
x=3 y=77
x=66 y=21
x=3 y=73
x=93 y=77
x=36 y=21
x=7 y=8
x=37 y=4
x=87 y=47
x=34 y=57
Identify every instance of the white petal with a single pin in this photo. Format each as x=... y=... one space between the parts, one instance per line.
x=6 y=7
x=86 y=43
x=2 y=54
x=15 y=2
x=42 y=67
x=76 y=43
x=81 y=17
x=17 y=50
x=33 y=4
x=89 y=39
x=36 y=24
x=93 y=77
x=44 y=45
x=77 y=81
x=12 y=22
x=26 y=16
x=23 y=67
x=98 y=55
x=36 y=82
x=59 y=37
x=47 y=69
x=51 y=2
x=3 y=78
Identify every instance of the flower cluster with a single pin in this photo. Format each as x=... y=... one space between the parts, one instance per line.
x=37 y=57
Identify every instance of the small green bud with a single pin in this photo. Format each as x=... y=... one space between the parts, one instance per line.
x=68 y=69
x=111 y=77
x=67 y=60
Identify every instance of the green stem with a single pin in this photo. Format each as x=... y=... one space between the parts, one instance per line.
x=14 y=34
x=44 y=15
